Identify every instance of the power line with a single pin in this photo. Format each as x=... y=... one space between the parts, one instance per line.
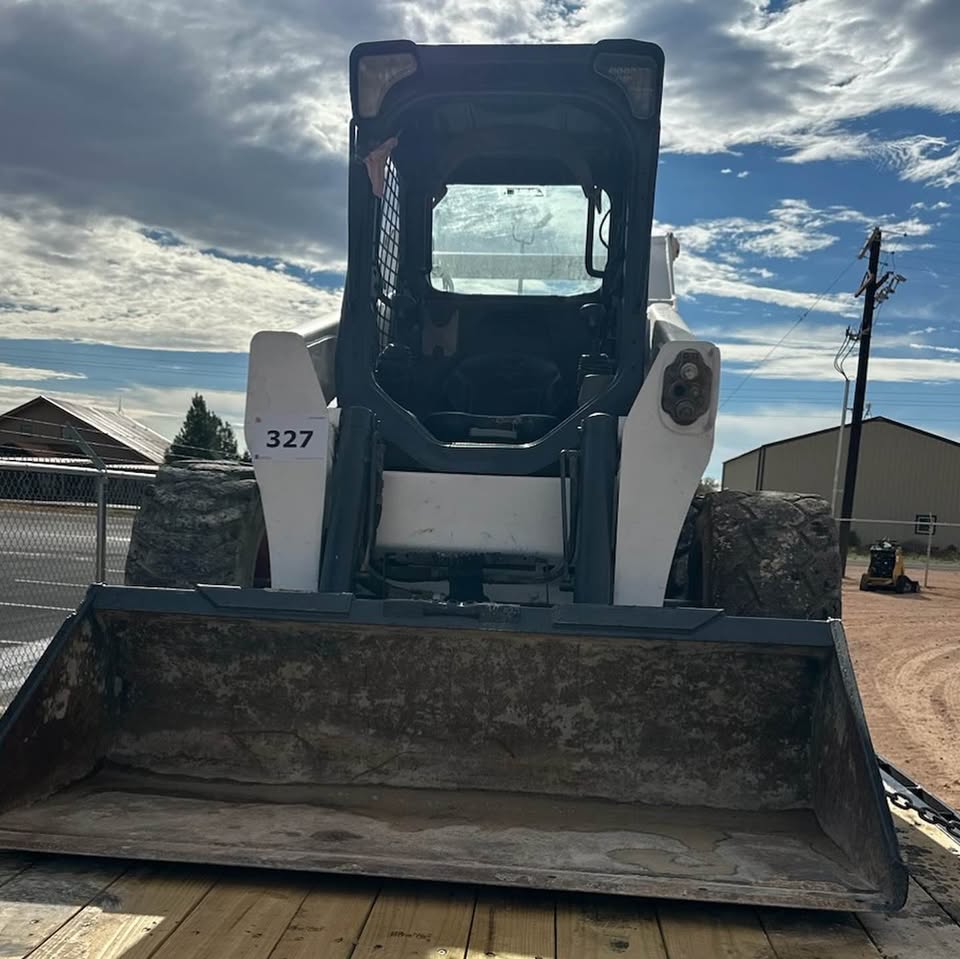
x=783 y=338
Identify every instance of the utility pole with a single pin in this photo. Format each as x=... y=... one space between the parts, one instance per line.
x=846 y=348
x=869 y=289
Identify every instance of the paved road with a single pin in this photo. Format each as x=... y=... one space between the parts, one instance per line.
x=47 y=560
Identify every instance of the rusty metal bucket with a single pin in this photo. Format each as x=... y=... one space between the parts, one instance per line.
x=653 y=752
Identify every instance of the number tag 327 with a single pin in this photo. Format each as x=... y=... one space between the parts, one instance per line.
x=303 y=438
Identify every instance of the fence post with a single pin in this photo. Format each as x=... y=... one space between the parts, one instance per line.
x=926 y=572
x=100 y=556
x=100 y=574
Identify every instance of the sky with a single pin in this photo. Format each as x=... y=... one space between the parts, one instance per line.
x=173 y=178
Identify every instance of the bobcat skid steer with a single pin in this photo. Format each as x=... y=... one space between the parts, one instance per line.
x=499 y=638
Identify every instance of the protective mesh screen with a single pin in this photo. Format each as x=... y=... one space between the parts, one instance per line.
x=387 y=260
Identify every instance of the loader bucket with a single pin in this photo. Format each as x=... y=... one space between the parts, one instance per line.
x=653 y=752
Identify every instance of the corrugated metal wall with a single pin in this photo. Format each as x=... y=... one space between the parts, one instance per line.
x=741 y=473
x=803 y=465
x=903 y=475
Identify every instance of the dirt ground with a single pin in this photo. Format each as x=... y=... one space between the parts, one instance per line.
x=906 y=654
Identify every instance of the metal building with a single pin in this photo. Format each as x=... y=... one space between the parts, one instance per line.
x=905 y=474
x=45 y=427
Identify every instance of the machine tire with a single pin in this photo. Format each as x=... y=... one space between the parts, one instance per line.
x=904 y=585
x=200 y=522
x=769 y=554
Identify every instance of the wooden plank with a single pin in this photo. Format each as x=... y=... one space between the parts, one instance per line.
x=328 y=923
x=698 y=931
x=129 y=919
x=12 y=864
x=591 y=927
x=797 y=934
x=35 y=904
x=417 y=922
x=516 y=924
x=921 y=930
x=236 y=919
x=933 y=857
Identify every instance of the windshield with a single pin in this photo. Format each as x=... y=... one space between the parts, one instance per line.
x=515 y=240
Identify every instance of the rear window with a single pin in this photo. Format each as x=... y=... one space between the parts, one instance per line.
x=527 y=240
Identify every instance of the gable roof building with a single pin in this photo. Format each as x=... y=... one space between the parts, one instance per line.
x=42 y=427
x=905 y=474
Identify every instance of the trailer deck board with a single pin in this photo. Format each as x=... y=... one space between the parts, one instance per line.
x=56 y=907
x=329 y=922
x=798 y=936
x=690 y=932
x=933 y=858
x=131 y=918
x=505 y=924
x=597 y=927
x=409 y=921
x=12 y=864
x=240 y=917
x=38 y=901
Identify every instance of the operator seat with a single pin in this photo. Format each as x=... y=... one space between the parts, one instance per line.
x=499 y=397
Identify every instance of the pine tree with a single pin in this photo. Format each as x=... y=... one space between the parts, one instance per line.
x=203 y=436
x=708 y=485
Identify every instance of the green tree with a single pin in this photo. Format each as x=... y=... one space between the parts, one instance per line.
x=707 y=485
x=203 y=436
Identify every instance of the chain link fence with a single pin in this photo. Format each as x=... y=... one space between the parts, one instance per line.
x=63 y=525
x=929 y=546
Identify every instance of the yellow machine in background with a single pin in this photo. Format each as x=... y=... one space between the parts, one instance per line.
x=886 y=569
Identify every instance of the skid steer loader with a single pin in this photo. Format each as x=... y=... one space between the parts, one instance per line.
x=500 y=638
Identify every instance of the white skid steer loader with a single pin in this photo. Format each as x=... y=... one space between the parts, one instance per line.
x=499 y=638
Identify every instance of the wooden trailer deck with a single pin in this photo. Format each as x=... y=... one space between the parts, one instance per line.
x=74 y=908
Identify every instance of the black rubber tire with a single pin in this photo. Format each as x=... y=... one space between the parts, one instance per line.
x=769 y=554
x=201 y=522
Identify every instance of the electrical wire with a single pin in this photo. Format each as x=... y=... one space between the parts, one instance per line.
x=783 y=338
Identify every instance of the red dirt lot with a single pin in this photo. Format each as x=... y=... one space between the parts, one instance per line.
x=906 y=654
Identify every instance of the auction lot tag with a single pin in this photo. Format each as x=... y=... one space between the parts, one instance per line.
x=289 y=438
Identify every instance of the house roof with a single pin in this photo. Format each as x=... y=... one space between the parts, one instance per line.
x=833 y=429
x=118 y=426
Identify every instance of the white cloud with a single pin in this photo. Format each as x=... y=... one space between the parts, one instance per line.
x=796 y=77
x=925 y=159
x=99 y=279
x=742 y=174
x=918 y=159
x=35 y=374
x=718 y=255
x=825 y=144
x=807 y=355
x=938 y=349
x=700 y=275
x=792 y=229
x=740 y=431
x=227 y=123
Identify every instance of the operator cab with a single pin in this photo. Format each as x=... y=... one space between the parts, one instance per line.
x=499 y=322
x=496 y=196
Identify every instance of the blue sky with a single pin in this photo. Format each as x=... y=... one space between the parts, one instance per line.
x=172 y=179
